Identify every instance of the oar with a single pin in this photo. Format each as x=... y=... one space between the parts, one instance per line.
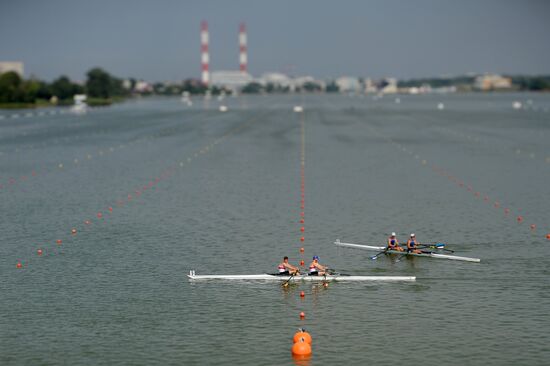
x=377 y=254
x=439 y=246
x=285 y=284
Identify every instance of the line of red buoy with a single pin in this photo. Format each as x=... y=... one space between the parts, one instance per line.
x=460 y=183
x=167 y=173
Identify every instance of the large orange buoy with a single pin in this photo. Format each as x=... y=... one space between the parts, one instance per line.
x=301 y=348
x=301 y=334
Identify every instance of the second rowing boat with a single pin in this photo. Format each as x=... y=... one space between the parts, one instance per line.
x=423 y=254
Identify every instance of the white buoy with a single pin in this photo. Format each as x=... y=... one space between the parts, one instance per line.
x=298 y=109
x=441 y=106
x=516 y=105
x=223 y=108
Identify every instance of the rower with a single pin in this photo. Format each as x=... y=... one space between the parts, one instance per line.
x=316 y=269
x=412 y=245
x=393 y=244
x=286 y=268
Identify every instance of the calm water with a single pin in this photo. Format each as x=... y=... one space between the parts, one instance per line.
x=226 y=201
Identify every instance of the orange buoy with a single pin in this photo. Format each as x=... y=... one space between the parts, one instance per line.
x=302 y=229
x=39 y=251
x=302 y=261
x=19 y=265
x=548 y=236
x=325 y=284
x=87 y=222
x=301 y=249
x=302 y=315
x=73 y=231
x=301 y=348
x=302 y=213
x=302 y=238
x=520 y=218
x=506 y=211
x=533 y=226
x=302 y=294
x=110 y=209
x=302 y=221
x=302 y=207
x=99 y=215
x=59 y=241
x=302 y=334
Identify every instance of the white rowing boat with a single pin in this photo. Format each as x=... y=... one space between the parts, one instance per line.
x=424 y=254
x=275 y=277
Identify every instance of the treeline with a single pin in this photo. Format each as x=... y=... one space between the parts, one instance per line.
x=533 y=83
x=437 y=82
x=523 y=83
x=270 y=88
x=100 y=87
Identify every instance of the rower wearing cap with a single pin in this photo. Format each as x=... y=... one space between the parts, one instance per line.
x=286 y=268
x=393 y=244
x=412 y=245
x=316 y=269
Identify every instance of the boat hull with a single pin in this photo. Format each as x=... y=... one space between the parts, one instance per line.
x=269 y=277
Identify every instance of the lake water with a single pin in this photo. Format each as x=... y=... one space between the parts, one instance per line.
x=155 y=188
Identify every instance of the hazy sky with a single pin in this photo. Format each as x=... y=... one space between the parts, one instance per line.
x=159 y=39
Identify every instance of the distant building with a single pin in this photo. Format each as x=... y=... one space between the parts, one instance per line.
x=301 y=81
x=230 y=79
x=388 y=86
x=492 y=82
x=370 y=86
x=276 y=79
x=143 y=87
x=15 y=66
x=348 y=84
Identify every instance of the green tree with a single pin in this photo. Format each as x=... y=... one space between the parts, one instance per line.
x=64 y=89
x=99 y=83
x=332 y=87
x=252 y=88
x=10 y=85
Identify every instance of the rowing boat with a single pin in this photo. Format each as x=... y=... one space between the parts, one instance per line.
x=423 y=254
x=276 y=277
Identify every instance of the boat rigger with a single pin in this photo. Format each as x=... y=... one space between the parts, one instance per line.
x=423 y=254
x=275 y=277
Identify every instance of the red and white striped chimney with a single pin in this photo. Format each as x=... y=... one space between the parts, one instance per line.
x=205 y=57
x=243 y=57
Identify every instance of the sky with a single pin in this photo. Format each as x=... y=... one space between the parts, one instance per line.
x=158 y=40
